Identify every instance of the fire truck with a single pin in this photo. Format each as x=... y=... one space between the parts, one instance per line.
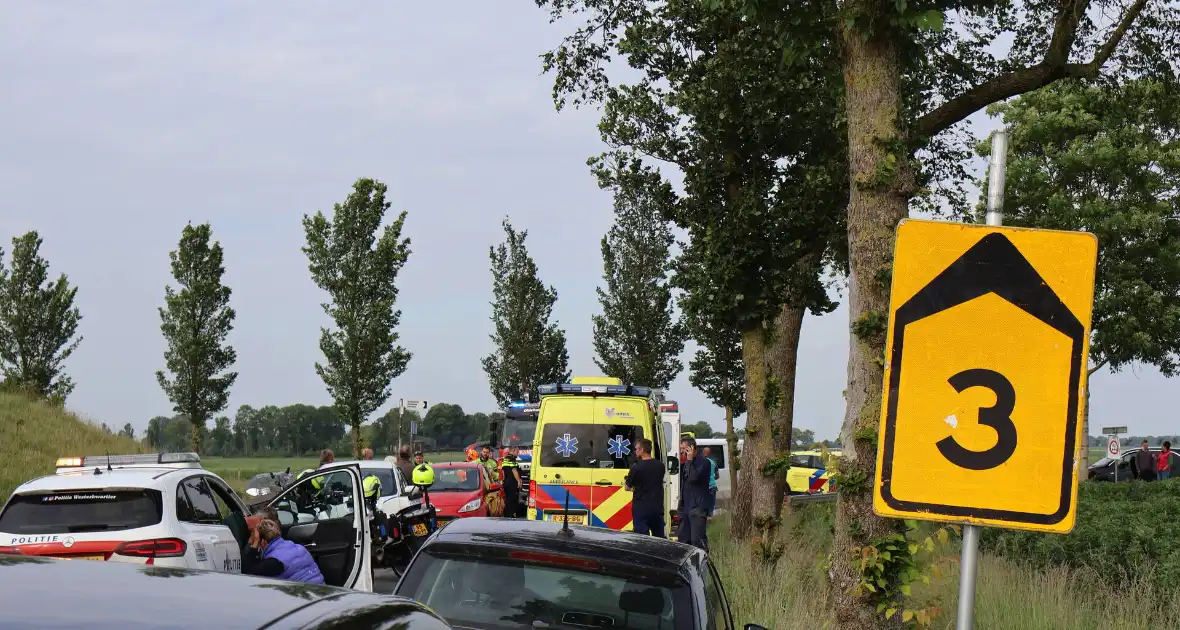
x=518 y=429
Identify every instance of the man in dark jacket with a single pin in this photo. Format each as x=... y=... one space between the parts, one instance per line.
x=694 y=495
x=1144 y=463
x=404 y=463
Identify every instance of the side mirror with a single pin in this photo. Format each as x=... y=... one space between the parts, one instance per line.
x=288 y=470
x=495 y=487
x=414 y=492
x=674 y=465
x=754 y=626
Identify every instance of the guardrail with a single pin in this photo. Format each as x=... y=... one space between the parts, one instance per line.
x=812 y=498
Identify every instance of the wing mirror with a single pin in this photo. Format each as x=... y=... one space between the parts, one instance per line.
x=674 y=468
x=754 y=626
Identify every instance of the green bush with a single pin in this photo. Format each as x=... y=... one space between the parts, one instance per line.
x=1125 y=532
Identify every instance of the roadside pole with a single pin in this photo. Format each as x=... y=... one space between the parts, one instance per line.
x=969 y=562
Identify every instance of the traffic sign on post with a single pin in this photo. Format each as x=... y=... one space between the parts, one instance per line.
x=1114 y=430
x=985 y=373
x=1113 y=449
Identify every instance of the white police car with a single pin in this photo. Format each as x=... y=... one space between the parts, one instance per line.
x=163 y=509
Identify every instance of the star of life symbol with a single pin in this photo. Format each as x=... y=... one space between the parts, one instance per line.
x=618 y=446
x=566 y=445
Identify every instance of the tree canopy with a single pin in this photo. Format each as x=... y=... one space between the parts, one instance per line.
x=358 y=269
x=529 y=349
x=637 y=337
x=195 y=321
x=38 y=323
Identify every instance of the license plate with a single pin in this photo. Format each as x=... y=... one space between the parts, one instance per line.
x=81 y=557
x=574 y=519
x=420 y=529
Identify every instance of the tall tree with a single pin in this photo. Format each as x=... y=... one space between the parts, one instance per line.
x=38 y=323
x=359 y=272
x=637 y=337
x=1105 y=158
x=908 y=82
x=196 y=321
x=763 y=165
x=530 y=350
x=716 y=369
x=128 y=431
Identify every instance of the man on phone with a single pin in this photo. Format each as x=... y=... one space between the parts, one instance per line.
x=694 y=495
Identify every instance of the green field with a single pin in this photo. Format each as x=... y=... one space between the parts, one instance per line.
x=238 y=470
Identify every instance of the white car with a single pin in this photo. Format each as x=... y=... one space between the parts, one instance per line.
x=395 y=489
x=164 y=509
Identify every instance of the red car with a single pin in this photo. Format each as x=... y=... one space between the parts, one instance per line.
x=464 y=489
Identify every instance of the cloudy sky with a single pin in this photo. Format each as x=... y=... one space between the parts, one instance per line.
x=120 y=122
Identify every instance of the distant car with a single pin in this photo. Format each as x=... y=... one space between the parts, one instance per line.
x=161 y=509
x=262 y=487
x=44 y=593
x=1104 y=469
x=508 y=574
x=810 y=472
x=465 y=489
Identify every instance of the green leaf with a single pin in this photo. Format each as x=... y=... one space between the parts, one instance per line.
x=932 y=20
x=906 y=616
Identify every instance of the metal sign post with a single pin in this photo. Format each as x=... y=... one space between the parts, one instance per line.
x=969 y=562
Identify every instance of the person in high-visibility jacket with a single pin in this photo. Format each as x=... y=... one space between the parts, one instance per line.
x=371 y=485
x=424 y=478
x=486 y=459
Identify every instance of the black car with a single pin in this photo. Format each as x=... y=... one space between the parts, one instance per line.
x=42 y=593
x=504 y=574
x=1104 y=469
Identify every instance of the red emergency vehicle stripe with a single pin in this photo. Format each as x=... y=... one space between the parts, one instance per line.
x=79 y=548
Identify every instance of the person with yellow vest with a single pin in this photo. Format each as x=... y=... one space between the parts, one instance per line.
x=424 y=478
x=485 y=459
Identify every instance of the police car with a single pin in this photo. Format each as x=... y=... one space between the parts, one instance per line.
x=164 y=509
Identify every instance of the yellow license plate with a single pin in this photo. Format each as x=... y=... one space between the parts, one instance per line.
x=574 y=519
x=81 y=557
x=419 y=529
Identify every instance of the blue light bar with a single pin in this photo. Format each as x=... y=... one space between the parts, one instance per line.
x=516 y=405
x=600 y=390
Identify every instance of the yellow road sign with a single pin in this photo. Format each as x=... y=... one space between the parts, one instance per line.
x=985 y=372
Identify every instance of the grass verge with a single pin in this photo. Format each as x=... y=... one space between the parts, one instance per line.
x=793 y=595
x=34 y=434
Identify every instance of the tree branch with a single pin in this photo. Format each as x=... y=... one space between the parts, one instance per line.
x=1094 y=369
x=1053 y=67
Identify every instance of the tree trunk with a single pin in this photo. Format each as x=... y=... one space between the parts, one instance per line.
x=356 y=438
x=758 y=447
x=782 y=353
x=872 y=80
x=196 y=437
x=731 y=440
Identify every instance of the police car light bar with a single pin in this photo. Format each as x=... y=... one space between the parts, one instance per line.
x=607 y=390
x=181 y=460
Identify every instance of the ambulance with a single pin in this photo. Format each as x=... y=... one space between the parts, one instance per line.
x=585 y=446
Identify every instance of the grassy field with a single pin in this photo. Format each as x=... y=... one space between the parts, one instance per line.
x=793 y=595
x=33 y=435
x=238 y=470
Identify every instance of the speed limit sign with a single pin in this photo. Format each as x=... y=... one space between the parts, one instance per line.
x=1112 y=448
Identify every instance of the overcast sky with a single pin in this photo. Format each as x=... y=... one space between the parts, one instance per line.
x=120 y=122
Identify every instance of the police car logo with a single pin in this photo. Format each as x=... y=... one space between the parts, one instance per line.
x=68 y=542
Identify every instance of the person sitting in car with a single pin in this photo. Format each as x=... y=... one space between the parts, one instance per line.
x=271 y=555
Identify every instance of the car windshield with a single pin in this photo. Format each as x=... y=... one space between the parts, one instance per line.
x=541 y=591
x=519 y=432
x=81 y=511
x=1105 y=461
x=464 y=479
x=386 y=477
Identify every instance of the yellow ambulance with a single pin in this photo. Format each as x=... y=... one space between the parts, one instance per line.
x=585 y=446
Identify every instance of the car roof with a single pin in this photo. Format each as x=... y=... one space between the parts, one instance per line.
x=365 y=463
x=84 y=479
x=102 y=595
x=590 y=542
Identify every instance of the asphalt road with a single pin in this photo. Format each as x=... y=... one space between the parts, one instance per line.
x=384 y=580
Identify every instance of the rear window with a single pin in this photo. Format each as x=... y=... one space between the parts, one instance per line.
x=385 y=476
x=82 y=511
x=503 y=593
x=589 y=445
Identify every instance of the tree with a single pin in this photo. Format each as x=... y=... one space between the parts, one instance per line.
x=196 y=321
x=1105 y=158
x=637 y=337
x=764 y=172
x=128 y=431
x=803 y=438
x=38 y=323
x=359 y=271
x=221 y=437
x=716 y=369
x=530 y=350
x=907 y=82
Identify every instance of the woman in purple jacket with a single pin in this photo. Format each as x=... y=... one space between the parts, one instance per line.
x=278 y=557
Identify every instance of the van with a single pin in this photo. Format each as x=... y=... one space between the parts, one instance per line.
x=584 y=448
x=719 y=451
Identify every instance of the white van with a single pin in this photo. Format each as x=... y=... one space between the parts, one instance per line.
x=719 y=451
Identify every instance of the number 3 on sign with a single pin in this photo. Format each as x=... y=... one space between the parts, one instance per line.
x=984 y=373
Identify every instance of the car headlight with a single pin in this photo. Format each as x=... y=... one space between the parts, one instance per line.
x=252 y=491
x=470 y=506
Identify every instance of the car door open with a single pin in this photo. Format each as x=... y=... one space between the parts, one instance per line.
x=325 y=512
